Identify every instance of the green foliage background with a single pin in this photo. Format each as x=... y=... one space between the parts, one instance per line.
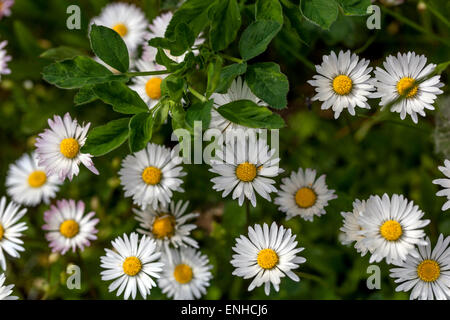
x=360 y=156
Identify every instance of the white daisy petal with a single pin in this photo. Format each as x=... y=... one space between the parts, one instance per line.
x=271 y=261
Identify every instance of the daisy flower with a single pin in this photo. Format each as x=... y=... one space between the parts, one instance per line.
x=5 y=8
x=238 y=90
x=266 y=256
x=400 y=79
x=343 y=82
x=4 y=59
x=445 y=184
x=186 y=274
x=5 y=291
x=148 y=87
x=167 y=225
x=391 y=228
x=245 y=167
x=352 y=228
x=132 y=265
x=28 y=184
x=68 y=227
x=58 y=148
x=151 y=175
x=302 y=195
x=426 y=272
x=158 y=29
x=127 y=20
x=10 y=230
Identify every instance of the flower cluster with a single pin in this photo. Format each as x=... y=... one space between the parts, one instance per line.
x=163 y=251
x=405 y=85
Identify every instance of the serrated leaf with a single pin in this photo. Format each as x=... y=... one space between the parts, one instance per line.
x=268 y=83
x=104 y=139
x=228 y=74
x=178 y=116
x=192 y=12
x=354 y=7
x=269 y=10
x=84 y=95
x=225 y=24
x=161 y=113
x=213 y=71
x=141 y=127
x=173 y=86
x=120 y=97
x=61 y=53
x=249 y=114
x=78 y=72
x=256 y=38
x=200 y=111
x=109 y=46
x=320 y=12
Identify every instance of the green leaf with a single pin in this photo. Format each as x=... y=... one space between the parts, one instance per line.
x=194 y=13
x=213 y=72
x=77 y=73
x=173 y=86
x=161 y=113
x=228 y=74
x=178 y=116
x=121 y=97
x=164 y=60
x=184 y=39
x=256 y=38
x=225 y=23
x=354 y=7
x=141 y=126
x=269 y=10
x=61 y=53
x=268 y=83
x=200 y=111
x=84 y=95
x=109 y=46
x=106 y=138
x=320 y=12
x=249 y=114
x=441 y=67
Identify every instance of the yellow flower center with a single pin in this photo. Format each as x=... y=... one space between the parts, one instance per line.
x=37 y=179
x=131 y=266
x=69 y=147
x=69 y=228
x=121 y=29
x=164 y=226
x=305 y=197
x=428 y=270
x=267 y=258
x=407 y=87
x=183 y=273
x=151 y=175
x=391 y=230
x=342 y=85
x=2 y=232
x=153 y=88
x=246 y=171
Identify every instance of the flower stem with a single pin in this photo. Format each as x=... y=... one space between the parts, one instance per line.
x=227 y=57
x=146 y=73
x=247 y=212
x=414 y=25
x=197 y=94
x=438 y=15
